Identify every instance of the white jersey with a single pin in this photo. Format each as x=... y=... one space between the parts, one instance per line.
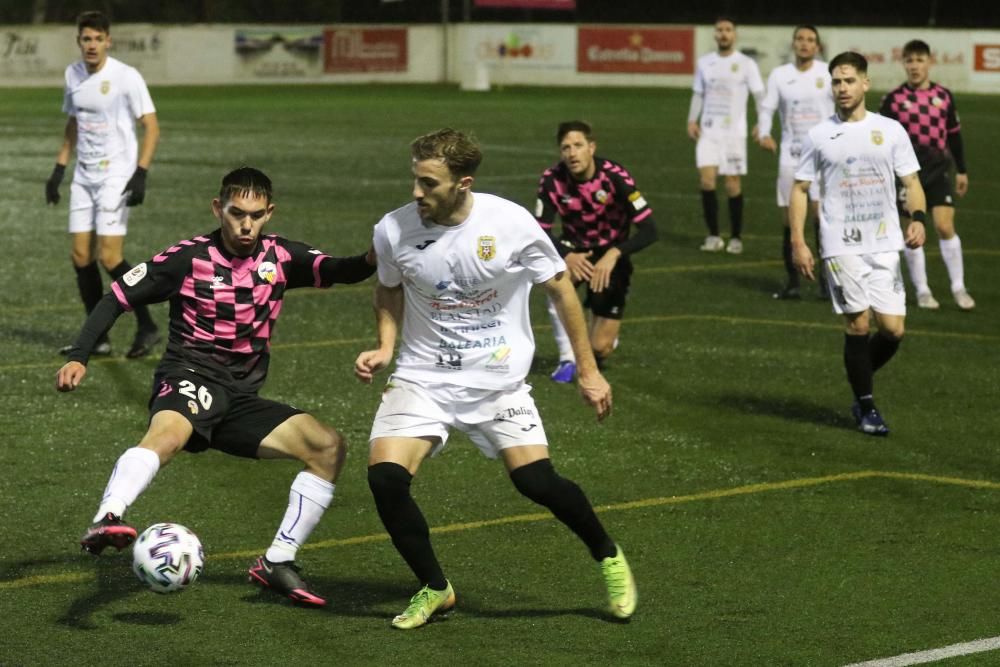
x=466 y=288
x=105 y=105
x=803 y=99
x=724 y=82
x=856 y=164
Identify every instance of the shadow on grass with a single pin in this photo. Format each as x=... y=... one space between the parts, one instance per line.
x=793 y=409
x=110 y=586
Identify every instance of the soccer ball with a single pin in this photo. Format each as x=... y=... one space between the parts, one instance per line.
x=167 y=557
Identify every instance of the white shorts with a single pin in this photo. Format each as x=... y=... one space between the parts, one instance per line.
x=786 y=179
x=860 y=282
x=493 y=420
x=729 y=154
x=99 y=207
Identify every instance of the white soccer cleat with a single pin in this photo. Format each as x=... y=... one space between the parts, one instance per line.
x=927 y=301
x=713 y=244
x=735 y=247
x=964 y=300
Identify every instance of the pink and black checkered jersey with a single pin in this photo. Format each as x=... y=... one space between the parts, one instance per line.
x=595 y=213
x=223 y=308
x=929 y=117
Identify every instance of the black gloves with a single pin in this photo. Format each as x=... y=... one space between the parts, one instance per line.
x=136 y=187
x=52 y=185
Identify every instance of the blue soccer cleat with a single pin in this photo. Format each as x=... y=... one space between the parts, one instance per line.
x=565 y=372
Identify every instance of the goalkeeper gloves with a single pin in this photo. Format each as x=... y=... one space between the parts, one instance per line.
x=52 y=185
x=136 y=187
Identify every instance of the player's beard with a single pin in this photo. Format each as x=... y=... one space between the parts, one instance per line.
x=445 y=208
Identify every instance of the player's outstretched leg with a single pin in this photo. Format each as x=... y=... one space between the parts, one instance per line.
x=109 y=531
x=423 y=605
x=622 y=593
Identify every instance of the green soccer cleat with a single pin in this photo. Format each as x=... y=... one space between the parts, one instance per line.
x=622 y=593
x=423 y=605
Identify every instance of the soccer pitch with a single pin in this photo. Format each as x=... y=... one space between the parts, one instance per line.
x=762 y=529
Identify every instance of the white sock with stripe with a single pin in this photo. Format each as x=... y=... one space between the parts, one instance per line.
x=307 y=501
x=133 y=472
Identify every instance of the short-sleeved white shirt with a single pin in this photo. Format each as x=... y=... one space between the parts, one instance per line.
x=466 y=288
x=856 y=164
x=105 y=105
x=802 y=99
x=725 y=82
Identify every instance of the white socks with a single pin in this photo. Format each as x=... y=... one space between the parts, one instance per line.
x=133 y=472
x=916 y=262
x=951 y=252
x=562 y=338
x=307 y=500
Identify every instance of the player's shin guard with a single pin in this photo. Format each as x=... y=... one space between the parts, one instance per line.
x=710 y=208
x=133 y=472
x=858 y=363
x=88 y=281
x=141 y=311
x=307 y=500
x=540 y=483
x=390 y=486
x=881 y=349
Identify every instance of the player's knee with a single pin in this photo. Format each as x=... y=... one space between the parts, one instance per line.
x=536 y=481
x=81 y=257
x=603 y=348
x=388 y=481
x=329 y=450
x=893 y=332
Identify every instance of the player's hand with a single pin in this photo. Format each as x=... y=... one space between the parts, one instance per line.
x=600 y=277
x=136 y=187
x=802 y=258
x=70 y=376
x=596 y=393
x=52 y=185
x=370 y=256
x=768 y=144
x=915 y=234
x=961 y=184
x=369 y=363
x=579 y=266
x=694 y=131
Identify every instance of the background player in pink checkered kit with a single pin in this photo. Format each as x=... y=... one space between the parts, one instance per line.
x=927 y=111
x=600 y=206
x=455 y=270
x=103 y=98
x=717 y=122
x=856 y=156
x=226 y=290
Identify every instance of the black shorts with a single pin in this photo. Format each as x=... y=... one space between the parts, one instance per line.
x=938 y=183
x=231 y=422
x=610 y=303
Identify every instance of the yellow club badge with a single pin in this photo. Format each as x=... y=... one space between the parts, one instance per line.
x=487 y=248
x=877 y=137
x=820 y=82
x=105 y=87
x=735 y=67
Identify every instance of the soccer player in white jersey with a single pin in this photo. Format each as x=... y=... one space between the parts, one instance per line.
x=455 y=268
x=856 y=156
x=103 y=98
x=800 y=92
x=722 y=81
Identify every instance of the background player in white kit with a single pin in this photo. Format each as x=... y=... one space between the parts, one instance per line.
x=104 y=97
x=722 y=81
x=856 y=157
x=455 y=269
x=800 y=92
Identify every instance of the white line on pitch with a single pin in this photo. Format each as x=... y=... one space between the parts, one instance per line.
x=934 y=654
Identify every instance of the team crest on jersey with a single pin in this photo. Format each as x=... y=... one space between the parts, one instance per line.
x=268 y=272
x=193 y=407
x=105 y=87
x=735 y=67
x=820 y=82
x=135 y=275
x=877 y=138
x=487 y=248
x=601 y=196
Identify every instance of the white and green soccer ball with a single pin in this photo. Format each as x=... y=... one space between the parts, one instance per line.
x=167 y=557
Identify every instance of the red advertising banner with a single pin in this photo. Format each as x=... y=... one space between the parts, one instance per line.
x=347 y=50
x=987 y=58
x=635 y=50
x=568 y=5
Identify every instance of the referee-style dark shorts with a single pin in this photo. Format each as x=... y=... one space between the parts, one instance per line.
x=611 y=302
x=938 y=183
x=231 y=422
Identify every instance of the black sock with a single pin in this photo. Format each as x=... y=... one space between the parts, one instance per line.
x=390 y=486
x=881 y=349
x=600 y=361
x=736 y=215
x=786 y=254
x=539 y=482
x=710 y=207
x=88 y=281
x=858 y=363
x=141 y=311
